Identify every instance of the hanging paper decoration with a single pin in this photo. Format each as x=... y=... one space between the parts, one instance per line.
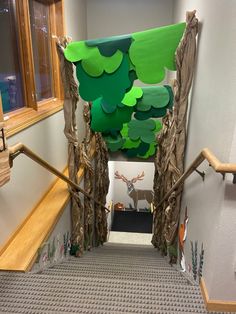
x=128 y=142
x=147 y=53
x=155 y=102
x=112 y=87
x=108 y=46
x=151 y=151
x=120 y=131
x=107 y=68
x=102 y=122
x=132 y=96
x=93 y=63
x=142 y=130
x=153 y=51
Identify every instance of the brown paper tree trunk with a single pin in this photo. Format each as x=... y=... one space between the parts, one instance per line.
x=70 y=104
x=169 y=162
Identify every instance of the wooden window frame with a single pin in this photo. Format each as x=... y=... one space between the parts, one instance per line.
x=34 y=111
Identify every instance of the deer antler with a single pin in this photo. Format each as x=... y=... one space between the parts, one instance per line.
x=139 y=177
x=120 y=176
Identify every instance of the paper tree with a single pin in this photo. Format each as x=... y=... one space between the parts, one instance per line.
x=107 y=68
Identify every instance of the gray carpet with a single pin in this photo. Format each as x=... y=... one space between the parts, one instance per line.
x=115 y=278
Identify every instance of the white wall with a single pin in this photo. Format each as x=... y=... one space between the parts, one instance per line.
x=131 y=170
x=211 y=205
x=112 y=17
x=76 y=28
x=28 y=180
x=110 y=195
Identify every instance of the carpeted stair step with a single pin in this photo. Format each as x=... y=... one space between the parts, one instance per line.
x=111 y=279
x=124 y=276
x=47 y=294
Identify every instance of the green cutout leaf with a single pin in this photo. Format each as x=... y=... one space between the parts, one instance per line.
x=158 y=126
x=131 y=97
x=102 y=122
x=142 y=130
x=108 y=108
x=153 y=96
x=128 y=142
x=91 y=88
x=93 y=63
x=152 y=113
x=153 y=51
x=109 y=45
x=151 y=151
x=140 y=150
x=114 y=143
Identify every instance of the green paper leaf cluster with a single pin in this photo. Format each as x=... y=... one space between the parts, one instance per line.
x=93 y=63
x=114 y=143
x=102 y=122
x=107 y=68
x=142 y=130
x=112 y=87
x=132 y=96
x=109 y=45
x=155 y=102
x=136 y=138
x=153 y=51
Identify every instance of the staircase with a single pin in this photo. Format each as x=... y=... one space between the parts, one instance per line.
x=115 y=278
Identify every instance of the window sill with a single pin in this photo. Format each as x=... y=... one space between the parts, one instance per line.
x=24 y=118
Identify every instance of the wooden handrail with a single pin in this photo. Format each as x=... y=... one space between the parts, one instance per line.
x=19 y=148
x=205 y=154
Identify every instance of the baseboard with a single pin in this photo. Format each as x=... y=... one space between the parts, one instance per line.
x=216 y=305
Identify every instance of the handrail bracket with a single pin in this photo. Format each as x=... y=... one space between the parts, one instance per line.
x=223 y=175
x=234 y=178
x=201 y=173
x=12 y=156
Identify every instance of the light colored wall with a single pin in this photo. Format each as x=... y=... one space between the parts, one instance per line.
x=131 y=170
x=76 y=19
x=112 y=17
x=28 y=180
x=76 y=28
x=211 y=204
x=110 y=194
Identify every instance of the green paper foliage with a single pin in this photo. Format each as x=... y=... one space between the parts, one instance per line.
x=91 y=88
x=155 y=104
x=131 y=97
x=152 y=113
x=93 y=63
x=106 y=69
x=153 y=51
x=107 y=108
x=153 y=96
x=128 y=142
x=141 y=150
x=109 y=45
x=143 y=130
x=151 y=151
x=114 y=143
x=102 y=122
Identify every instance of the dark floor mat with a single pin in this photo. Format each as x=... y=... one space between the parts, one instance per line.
x=131 y=221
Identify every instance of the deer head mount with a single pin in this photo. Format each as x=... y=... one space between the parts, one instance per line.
x=135 y=194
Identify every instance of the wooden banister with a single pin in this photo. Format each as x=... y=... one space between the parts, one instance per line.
x=218 y=166
x=19 y=148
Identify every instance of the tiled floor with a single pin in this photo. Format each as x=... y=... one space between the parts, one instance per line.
x=130 y=238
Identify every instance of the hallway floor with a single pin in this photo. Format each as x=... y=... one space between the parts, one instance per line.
x=115 y=278
x=130 y=238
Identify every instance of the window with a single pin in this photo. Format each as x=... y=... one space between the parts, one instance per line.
x=30 y=87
